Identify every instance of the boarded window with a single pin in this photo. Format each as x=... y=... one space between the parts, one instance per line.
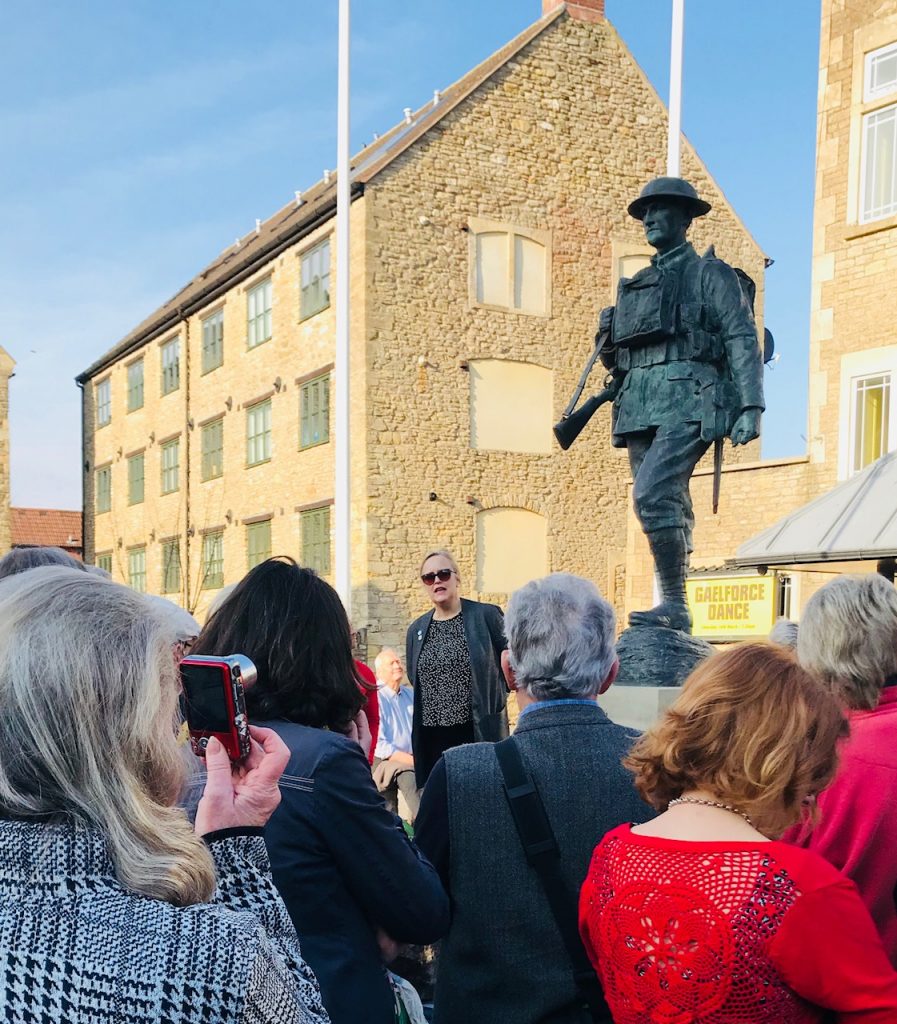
x=511 y=406
x=510 y=268
x=512 y=549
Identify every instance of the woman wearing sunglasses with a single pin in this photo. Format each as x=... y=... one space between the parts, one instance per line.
x=453 y=654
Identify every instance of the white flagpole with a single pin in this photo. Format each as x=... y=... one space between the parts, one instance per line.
x=675 y=110
x=341 y=489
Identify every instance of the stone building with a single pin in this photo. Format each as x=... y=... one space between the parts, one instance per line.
x=487 y=230
x=852 y=410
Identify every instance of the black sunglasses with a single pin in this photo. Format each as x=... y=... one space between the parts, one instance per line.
x=443 y=575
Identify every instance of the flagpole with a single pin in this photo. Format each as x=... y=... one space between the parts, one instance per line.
x=675 y=106
x=341 y=489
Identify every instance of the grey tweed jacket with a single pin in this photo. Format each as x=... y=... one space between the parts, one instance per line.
x=503 y=961
x=78 y=947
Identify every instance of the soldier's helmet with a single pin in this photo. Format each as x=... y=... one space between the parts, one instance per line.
x=677 y=189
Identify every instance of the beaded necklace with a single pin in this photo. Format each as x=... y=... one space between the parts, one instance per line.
x=710 y=803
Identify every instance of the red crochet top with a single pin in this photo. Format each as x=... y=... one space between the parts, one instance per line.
x=730 y=933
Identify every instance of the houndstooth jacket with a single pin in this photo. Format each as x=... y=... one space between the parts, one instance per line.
x=78 y=947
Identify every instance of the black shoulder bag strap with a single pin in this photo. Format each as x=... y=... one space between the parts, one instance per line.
x=544 y=857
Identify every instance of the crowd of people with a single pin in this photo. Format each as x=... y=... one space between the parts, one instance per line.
x=732 y=864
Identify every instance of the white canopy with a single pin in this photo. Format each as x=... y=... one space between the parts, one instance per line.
x=854 y=522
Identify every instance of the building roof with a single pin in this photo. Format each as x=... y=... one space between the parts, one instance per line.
x=46 y=527
x=855 y=521
x=315 y=206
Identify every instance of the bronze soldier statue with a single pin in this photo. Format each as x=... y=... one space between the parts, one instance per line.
x=682 y=346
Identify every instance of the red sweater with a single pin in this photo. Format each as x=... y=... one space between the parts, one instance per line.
x=857 y=830
x=730 y=933
x=371 y=707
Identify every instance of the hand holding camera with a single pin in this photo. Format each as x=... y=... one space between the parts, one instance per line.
x=244 y=794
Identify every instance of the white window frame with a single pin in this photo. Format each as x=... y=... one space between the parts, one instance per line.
x=477 y=226
x=170 y=358
x=871 y=103
x=258 y=433
x=258 y=320
x=103 y=399
x=858 y=366
x=874 y=93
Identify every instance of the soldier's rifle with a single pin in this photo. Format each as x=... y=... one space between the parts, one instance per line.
x=573 y=420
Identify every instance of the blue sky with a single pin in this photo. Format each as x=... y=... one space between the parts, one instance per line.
x=140 y=139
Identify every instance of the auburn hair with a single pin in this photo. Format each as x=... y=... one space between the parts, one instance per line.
x=753 y=728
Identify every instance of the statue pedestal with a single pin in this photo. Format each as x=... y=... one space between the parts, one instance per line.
x=654 y=663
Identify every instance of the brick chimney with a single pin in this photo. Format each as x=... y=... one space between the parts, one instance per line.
x=582 y=10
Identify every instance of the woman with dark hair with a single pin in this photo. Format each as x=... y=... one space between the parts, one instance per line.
x=342 y=862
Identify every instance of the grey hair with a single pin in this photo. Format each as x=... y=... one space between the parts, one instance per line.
x=88 y=716
x=560 y=634
x=442 y=553
x=848 y=637
x=220 y=599
x=378 y=661
x=25 y=558
x=784 y=633
x=179 y=623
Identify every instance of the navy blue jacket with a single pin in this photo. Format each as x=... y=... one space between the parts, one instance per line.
x=344 y=867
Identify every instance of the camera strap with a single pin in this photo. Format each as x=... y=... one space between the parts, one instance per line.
x=544 y=857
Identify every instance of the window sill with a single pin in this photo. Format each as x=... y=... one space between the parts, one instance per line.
x=106 y=424
x=313 y=444
x=136 y=408
x=872 y=227
x=101 y=511
x=208 y=479
x=174 y=490
x=258 y=344
x=261 y=462
x=211 y=369
x=541 y=314
x=131 y=504
x=307 y=316
x=171 y=391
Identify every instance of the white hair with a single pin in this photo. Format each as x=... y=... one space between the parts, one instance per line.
x=179 y=623
x=219 y=599
x=381 y=657
x=560 y=634
x=848 y=637
x=88 y=715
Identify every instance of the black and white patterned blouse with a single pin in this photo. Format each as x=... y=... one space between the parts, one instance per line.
x=77 y=946
x=443 y=674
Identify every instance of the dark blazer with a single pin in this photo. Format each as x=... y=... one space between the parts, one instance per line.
x=485 y=633
x=503 y=959
x=344 y=867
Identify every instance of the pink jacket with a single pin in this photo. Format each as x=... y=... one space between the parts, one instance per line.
x=857 y=830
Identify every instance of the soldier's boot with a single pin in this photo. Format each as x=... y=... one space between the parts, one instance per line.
x=670 y=550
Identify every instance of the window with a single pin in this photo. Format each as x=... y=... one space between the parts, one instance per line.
x=510 y=267
x=135 y=479
x=135 y=386
x=881 y=72
x=314 y=412
x=870 y=418
x=878 y=174
x=171 y=366
x=104 y=561
x=104 y=402
x=258 y=314
x=315 y=280
x=258 y=542
x=213 y=560
x=171 y=566
x=512 y=549
x=103 y=489
x=171 y=465
x=316 y=539
x=511 y=406
x=137 y=568
x=258 y=433
x=212 y=450
x=213 y=341
x=783 y=596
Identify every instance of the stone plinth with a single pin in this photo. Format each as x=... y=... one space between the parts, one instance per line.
x=637 y=707
x=650 y=656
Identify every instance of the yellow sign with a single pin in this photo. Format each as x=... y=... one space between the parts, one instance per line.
x=732 y=607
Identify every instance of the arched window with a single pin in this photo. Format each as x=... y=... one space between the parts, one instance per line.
x=510 y=406
x=510 y=267
x=512 y=549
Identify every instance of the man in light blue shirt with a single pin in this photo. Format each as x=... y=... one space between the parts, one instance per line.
x=393 y=762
